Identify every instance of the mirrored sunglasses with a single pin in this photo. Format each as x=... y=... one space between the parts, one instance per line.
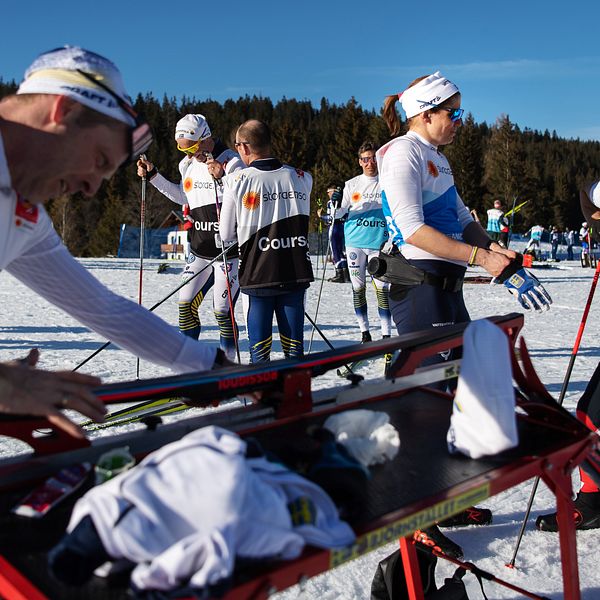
x=455 y=114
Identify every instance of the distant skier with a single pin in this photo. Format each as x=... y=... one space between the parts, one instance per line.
x=555 y=236
x=365 y=231
x=200 y=189
x=570 y=239
x=535 y=237
x=268 y=207
x=495 y=221
x=584 y=238
x=335 y=218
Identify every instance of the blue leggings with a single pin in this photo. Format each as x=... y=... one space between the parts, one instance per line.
x=288 y=309
x=338 y=247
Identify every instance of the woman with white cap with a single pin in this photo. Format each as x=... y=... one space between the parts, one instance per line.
x=433 y=234
x=206 y=161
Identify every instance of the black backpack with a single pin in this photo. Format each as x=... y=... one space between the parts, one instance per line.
x=389 y=582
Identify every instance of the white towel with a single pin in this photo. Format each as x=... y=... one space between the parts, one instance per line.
x=366 y=434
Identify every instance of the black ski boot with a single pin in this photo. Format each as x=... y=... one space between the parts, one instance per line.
x=586 y=514
x=338 y=277
x=346 y=275
x=434 y=538
x=366 y=337
x=472 y=516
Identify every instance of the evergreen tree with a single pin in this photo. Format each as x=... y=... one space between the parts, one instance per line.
x=498 y=162
x=351 y=132
x=503 y=162
x=465 y=155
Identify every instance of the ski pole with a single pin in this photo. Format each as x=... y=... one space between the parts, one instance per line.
x=142 y=224
x=163 y=300
x=219 y=182
x=481 y=574
x=329 y=251
x=315 y=326
x=512 y=221
x=319 y=231
x=561 y=398
x=312 y=333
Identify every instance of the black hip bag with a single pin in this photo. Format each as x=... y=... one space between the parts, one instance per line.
x=392 y=267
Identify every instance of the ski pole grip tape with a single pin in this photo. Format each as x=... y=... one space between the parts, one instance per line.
x=514 y=265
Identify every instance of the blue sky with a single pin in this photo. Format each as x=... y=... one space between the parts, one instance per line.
x=538 y=62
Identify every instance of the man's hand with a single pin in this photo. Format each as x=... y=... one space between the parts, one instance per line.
x=336 y=198
x=25 y=390
x=494 y=262
x=495 y=247
x=215 y=168
x=144 y=166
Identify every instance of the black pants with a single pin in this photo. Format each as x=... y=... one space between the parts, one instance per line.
x=426 y=306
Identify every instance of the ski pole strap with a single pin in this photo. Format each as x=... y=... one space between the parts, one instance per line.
x=395 y=269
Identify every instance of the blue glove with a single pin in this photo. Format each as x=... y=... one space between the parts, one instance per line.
x=529 y=291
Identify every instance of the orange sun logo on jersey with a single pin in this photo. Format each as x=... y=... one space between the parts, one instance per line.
x=251 y=200
x=187 y=184
x=433 y=170
x=356 y=196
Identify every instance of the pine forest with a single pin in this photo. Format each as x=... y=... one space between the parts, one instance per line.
x=489 y=161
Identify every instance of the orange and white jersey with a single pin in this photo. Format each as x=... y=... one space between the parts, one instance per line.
x=268 y=205
x=198 y=189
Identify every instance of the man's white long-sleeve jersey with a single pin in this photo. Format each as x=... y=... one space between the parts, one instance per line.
x=32 y=251
x=201 y=192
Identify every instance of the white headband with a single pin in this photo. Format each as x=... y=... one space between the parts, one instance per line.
x=57 y=72
x=428 y=93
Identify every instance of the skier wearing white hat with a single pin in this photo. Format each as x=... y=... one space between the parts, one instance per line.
x=205 y=162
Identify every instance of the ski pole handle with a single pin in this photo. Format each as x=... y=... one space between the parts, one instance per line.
x=209 y=156
x=143 y=157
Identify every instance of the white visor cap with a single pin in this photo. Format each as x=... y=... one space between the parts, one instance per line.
x=192 y=127
x=58 y=72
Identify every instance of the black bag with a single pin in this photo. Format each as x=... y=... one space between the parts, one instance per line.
x=391 y=267
x=389 y=582
x=395 y=269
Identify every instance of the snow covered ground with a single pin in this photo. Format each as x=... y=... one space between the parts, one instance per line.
x=27 y=321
